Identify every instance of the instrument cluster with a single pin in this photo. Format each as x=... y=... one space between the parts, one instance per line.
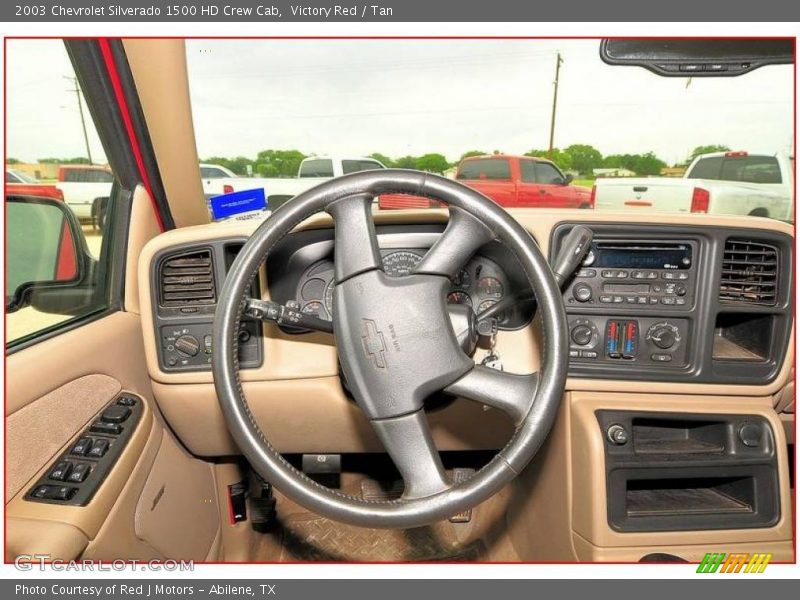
x=480 y=284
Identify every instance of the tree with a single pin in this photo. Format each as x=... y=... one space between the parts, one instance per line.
x=707 y=150
x=78 y=160
x=584 y=157
x=558 y=156
x=12 y=161
x=406 y=162
x=278 y=163
x=432 y=163
x=238 y=165
x=471 y=153
x=382 y=158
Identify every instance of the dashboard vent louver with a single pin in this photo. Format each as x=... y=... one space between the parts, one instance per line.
x=749 y=273
x=188 y=279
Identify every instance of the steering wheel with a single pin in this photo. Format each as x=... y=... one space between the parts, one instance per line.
x=397 y=346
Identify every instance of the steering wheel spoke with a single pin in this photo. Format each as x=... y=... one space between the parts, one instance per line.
x=409 y=442
x=461 y=239
x=355 y=243
x=511 y=393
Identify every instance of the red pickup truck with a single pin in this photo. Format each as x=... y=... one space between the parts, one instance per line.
x=511 y=181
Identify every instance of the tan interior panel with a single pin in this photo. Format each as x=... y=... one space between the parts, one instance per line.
x=588 y=473
x=143 y=228
x=177 y=512
x=312 y=416
x=45 y=538
x=36 y=432
x=169 y=123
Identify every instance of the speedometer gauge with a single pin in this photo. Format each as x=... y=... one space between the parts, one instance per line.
x=400 y=263
x=490 y=287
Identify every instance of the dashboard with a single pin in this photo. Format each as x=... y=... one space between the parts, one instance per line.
x=660 y=303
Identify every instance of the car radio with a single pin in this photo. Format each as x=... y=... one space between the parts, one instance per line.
x=649 y=275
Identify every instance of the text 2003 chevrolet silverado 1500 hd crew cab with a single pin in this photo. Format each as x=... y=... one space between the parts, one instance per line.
x=721 y=183
x=511 y=181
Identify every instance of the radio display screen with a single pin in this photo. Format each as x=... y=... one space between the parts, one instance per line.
x=641 y=257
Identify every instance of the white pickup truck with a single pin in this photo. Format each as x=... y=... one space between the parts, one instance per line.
x=721 y=183
x=312 y=171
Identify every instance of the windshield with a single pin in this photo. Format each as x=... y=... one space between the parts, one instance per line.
x=475 y=110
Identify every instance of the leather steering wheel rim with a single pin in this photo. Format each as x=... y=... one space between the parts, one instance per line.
x=370 y=358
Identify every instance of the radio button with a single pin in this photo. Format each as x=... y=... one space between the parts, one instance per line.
x=641 y=300
x=652 y=274
x=638 y=274
x=630 y=299
x=661 y=357
x=608 y=274
x=680 y=301
x=618 y=299
x=622 y=274
x=606 y=299
x=668 y=300
x=683 y=275
x=653 y=300
x=587 y=273
x=668 y=275
x=588 y=354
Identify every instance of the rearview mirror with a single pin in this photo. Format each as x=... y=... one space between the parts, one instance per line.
x=698 y=57
x=48 y=265
x=567 y=179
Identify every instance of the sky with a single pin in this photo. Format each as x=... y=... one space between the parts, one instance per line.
x=399 y=97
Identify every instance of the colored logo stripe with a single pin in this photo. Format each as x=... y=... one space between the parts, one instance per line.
x=734 y=563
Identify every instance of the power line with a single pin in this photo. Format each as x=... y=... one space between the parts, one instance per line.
x=77 y=91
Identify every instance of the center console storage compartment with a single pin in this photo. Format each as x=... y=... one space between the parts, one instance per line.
x=671 y=472
x=746 y=337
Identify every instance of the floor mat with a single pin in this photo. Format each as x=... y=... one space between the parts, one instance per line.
x=308 y=537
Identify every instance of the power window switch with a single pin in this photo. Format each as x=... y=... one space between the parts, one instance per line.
x=61 y=471
x=81 y=447
x=79 y=473
x=107 y=428
x=99 y=448
x=62 y=492
x=115 y=414
x=127 y=401
x=42 y=491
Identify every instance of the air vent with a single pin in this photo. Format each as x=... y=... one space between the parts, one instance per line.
x=749 y=273
x=187 y=279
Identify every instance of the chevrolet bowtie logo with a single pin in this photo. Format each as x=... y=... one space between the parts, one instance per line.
x=374 y=344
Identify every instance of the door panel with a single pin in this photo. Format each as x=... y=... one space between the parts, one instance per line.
x=36 y=432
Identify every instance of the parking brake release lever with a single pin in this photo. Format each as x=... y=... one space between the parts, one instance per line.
x=267 y=310
x=573 y=248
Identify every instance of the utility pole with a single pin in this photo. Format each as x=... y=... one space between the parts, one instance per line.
x=77 y=91
x=559 y=60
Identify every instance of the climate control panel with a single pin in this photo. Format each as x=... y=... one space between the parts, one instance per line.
x=620 y=340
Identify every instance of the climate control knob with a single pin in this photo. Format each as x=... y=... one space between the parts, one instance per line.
x=187 y=345
x=664 y=335
x=581 y=335
x=582 y=292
